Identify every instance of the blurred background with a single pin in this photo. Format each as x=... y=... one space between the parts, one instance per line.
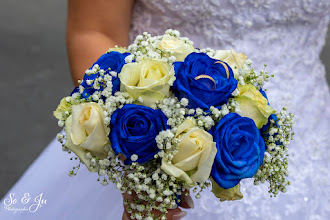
x=34 y=77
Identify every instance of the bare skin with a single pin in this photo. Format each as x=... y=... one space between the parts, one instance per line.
x=92 y=28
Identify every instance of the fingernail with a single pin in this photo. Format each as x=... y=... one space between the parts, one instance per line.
x=179 y=215
x=189 y=201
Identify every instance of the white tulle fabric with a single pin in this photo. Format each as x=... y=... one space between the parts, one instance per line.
x=288 y=36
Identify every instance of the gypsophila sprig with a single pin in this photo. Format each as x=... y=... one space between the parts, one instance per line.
x=156 y=119
x=275 y=165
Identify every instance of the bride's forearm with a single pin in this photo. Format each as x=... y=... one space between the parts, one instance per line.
x=92 y=28
x=84 y=48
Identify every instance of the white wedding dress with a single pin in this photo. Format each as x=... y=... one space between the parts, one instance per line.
x=288 y=36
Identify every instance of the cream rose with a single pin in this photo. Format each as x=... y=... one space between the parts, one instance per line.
x=118 y=49
x=63 y=107
x=253 y=105
x=151 y=79
x=193 y=162
x=226 y=194
x=86 y=132
x=179 y=48
x=234 y=59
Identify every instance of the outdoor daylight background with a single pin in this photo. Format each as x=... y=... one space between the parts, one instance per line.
x=34 y=77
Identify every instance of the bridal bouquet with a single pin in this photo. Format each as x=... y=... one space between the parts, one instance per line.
x=161 y=117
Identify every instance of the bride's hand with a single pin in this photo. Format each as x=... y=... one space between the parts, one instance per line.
x=173 y=214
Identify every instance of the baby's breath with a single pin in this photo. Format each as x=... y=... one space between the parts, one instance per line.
x=275 y=164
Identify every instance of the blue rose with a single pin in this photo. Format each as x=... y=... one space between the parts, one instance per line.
x=112 y=61
x=264 y=128
x=133 y=131
x=240 y=150
x=203 y=81
x=115 y=61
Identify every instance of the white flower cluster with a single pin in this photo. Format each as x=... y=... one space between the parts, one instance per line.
x=176 y=112
x=167 y=143
x=147 y=46
x=173 y=110
x=61 y=138
x=113 y=102
x=109 y=102
x=248 y=75
x=209 y=51
x=217 y=113
x=154 y=190
x=275 y=164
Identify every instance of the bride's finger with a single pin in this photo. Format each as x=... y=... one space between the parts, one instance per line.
x=122 y=158
x=186 y=201
x=175 y=214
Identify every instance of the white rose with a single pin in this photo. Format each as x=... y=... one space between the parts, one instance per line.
x=86 y=132
x=234 y=59
x=150 y=79
x=62 y=108
x=193 y=162
x=118 y=49
x=253 y=105
x=230 y=194
x=179 y=48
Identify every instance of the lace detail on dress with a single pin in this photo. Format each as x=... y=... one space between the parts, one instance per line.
x=288 y=36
